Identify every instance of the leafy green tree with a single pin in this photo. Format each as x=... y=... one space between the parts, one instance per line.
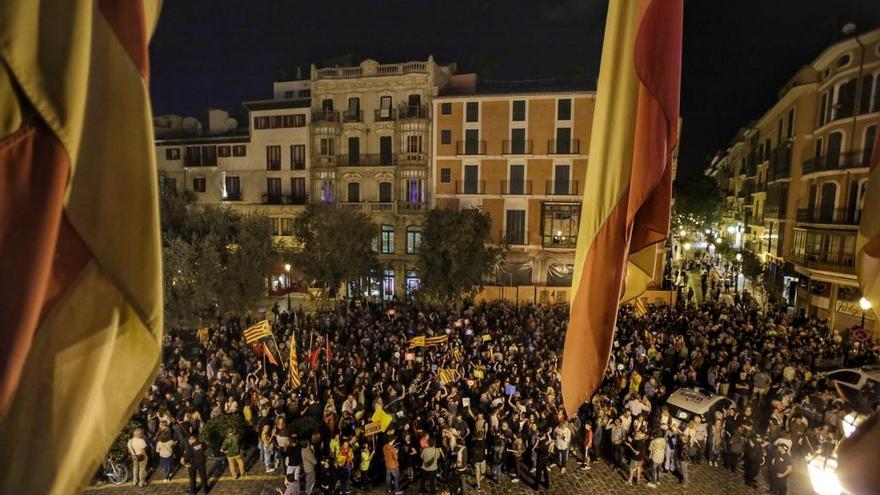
x=336 y=246
x=248 y=260
x=456 y=254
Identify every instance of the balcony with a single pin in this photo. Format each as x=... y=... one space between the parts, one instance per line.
x=353 y=116
x=325 y=116
x=384 y=115
x=470 y=147
x=233 y=196
x=412 y=158
x=561 y=188
x=516 y=187
x=567 y=147
x=367 y=160
x=470 y=187
x=275 y=199
x=405 y=112
x=358 y=206
x=299 y=199
x=834 y=261
x=411 y=207
x=838 y=161
x=830 y=216
x=371 y=70
x=517 y=147
x=774 y=211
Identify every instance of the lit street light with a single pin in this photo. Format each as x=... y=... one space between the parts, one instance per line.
x=865 y=304
x=287 y=270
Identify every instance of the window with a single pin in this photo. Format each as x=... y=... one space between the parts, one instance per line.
x=297 y=157
x=519 y=110
x=327 y=195
x=385 y=192
x=223 y=151
x=299 y=120
x=559 y=224
x=471 y=141
x=414 y=143
x=445 y=175
x=868 y=144
x=413 y=239
x=446 y=108
x=867 y=91
x=562 y=179
x=518 y=141
x=412 y=281
x=277 y=121
x=287 y=226
x=298 y=190
x=354 y=192
x=199 y=184
x=172 y=154
x=288 y=95
x=273 y=157
x=516 y=184
x=387 y=240
x=446 y=136
x=388 y=284
x=239 y=150
x=192 y=156
x=414 y=190
x=354 y=151
x=327 y=104
x=779 y=125
x=563 y=140
x=327 y=146
x=293 y=120
x=846 y=99
x=843 y=61
x=563 y=109
x=789 y=126
x=471 y=182
x=262 y=122
x=209 y=156
x=516 y=227
x=384 y=107
x=233 y=188
x=472 y=111
x=823 y=102
x=273 y=190
x=386 y=156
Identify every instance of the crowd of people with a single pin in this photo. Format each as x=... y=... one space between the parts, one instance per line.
x=485 y=405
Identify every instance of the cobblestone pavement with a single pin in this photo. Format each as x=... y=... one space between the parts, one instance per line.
x=704 y=480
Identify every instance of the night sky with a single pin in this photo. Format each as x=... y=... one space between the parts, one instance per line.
x=737 y=53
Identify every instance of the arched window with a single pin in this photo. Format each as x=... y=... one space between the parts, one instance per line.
x=413 y=239
x=829 y=200
x=868 y=144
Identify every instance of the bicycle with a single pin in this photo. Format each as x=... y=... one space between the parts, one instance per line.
x=116 y=471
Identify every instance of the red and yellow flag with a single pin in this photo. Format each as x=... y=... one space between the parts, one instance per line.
x=81 y=307
x=628 y=181
x=294 y=363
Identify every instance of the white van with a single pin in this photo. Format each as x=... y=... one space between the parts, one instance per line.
x=685 y=403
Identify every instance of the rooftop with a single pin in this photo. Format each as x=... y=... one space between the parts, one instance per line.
x=529 y=86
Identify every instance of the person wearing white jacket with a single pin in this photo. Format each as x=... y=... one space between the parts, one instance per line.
x=562 y=435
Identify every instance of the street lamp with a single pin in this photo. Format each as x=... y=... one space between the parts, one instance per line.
x=865 y=304
x=682 y=232
x=287 y=271
x=739 y=258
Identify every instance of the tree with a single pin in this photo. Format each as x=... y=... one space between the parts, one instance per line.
x=336 y=246
x=456 y=256
x=697 y=200
x=211 y=256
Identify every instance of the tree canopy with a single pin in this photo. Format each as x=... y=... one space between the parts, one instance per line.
x=336 y=246
x=697 y=200
x=456 y=255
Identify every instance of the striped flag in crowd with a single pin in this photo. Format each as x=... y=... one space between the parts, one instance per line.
x=81 y=319
x=629 y=181
x=639 y=306
x=447 y=375
x=257 y=332
x=294 y=363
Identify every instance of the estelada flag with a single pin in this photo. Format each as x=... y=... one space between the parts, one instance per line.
x=268 y=353
x=329 y=350
x=257 y=332
x=81 y=299
x=447 y=375
x=628 y=182
x=417 y=342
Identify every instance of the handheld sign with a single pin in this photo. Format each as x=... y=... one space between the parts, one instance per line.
x=510 y=389
x=409 y=356
x=373 y=428
x=466 y=401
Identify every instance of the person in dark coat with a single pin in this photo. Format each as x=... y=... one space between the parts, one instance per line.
x=196 y=463
x=753 y=459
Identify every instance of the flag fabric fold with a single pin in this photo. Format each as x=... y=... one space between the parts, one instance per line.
x=81 y=321
x=628 y=181
x=264 y=349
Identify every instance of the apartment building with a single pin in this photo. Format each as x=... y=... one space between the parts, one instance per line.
x=807 y=157
x=518 y=152
x=371 y=139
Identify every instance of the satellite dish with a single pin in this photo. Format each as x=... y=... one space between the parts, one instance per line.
x=848 y=28
x=231 y=124
x=192 y=125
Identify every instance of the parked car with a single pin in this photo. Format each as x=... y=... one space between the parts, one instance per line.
x=685 y=403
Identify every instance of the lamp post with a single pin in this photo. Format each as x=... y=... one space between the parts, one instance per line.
x=739 y=258
x=865 y=304
x=287 y=284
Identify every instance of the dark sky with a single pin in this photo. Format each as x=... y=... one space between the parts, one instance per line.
x=737 y=53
